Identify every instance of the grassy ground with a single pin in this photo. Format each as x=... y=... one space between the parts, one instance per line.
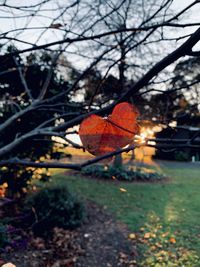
x=176 y=202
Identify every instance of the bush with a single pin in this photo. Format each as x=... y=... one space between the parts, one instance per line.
x=3 y=235
x=181 y=156
x=18 y=179
x=123 y=173
x=55 y=207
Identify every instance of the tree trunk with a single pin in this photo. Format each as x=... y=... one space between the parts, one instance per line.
x=118 y=161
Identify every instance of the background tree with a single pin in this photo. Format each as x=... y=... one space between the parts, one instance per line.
x=127 y=50
x=187 y=77
x=21 y=83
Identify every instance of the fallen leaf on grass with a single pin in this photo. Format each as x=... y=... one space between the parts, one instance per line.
x=147 y=235
x=123 y=190
x=132 y=236
x=9 y=264
x=172 y=240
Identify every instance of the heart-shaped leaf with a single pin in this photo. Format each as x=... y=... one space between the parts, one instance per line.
x=103 y=135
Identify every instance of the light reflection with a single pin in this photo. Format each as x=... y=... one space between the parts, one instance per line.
x=145 y=134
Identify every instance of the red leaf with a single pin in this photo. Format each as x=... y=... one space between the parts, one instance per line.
x=103 y=135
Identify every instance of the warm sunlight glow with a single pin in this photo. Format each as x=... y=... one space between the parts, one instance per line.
x=145 y=134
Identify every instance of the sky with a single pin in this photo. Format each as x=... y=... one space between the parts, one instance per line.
x=7 y=24
x=42 y=37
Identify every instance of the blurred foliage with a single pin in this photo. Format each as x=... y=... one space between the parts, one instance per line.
x=12 y=238
x=122 y=173
x=54 y=207
x=18 y=179
x=3 y=235
x=181 y=156
x=187 y=75
x=35 y=67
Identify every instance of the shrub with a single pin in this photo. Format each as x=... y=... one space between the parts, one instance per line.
x=55 y=207
x=18 y=179
x=123 y=173
x=181 y=156
x=3 y=235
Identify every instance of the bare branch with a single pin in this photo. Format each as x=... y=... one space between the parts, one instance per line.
x=23 y=79
x=181 y=51
x=99 y=36
x=16 y=161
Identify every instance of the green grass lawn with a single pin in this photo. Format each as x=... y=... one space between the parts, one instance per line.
x=176 y=202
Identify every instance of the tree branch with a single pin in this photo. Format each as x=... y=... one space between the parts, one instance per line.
x=181 y=51
x=16 y=161
x=99 y=36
